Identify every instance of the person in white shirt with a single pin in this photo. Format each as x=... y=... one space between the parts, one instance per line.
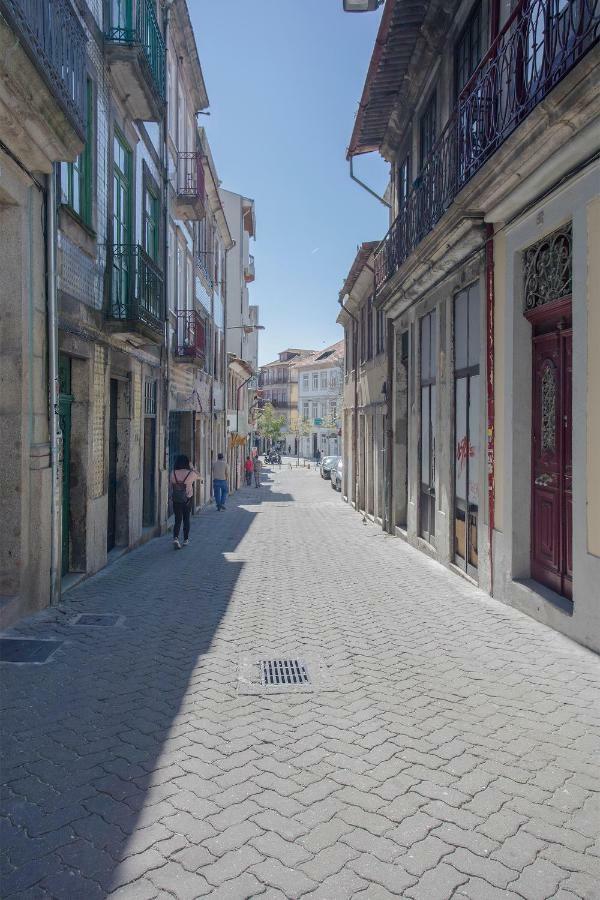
x=220 y=474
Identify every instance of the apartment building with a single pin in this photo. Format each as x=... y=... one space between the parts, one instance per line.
x=320 y=390
x=278 y=385
x=489 y=118
x=113 y=284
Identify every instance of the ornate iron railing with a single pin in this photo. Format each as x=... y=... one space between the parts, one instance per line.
x=137 y=287
x=541 y=41
x=190 y=175
x=55 y=41
x=137 y=25
x=191 y=335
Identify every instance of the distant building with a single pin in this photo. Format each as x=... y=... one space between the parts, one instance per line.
x=320 y=386
x=278 y=385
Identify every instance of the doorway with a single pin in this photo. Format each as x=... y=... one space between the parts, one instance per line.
x=65 y=401
x=111 y=524
x=428 y=387
x=149 y=457
x=551 y=459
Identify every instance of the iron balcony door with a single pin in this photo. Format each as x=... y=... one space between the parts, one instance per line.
x=551 y=500
x=64 y=416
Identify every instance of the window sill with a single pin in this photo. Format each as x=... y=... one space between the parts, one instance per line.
x=77 y=230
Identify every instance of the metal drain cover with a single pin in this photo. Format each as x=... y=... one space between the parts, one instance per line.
x=97 y=620
x=27 y=650
x=282 y=673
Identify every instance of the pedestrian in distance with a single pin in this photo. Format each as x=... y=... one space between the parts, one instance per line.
x=248 y=469
x=220 y=475
x=182 y=480
x=257 y=469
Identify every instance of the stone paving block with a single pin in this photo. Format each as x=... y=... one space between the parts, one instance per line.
x=235 y=814
x=193 y=856
x=289 y=829
x=439 y=883
x=240 y=888
x=342 y=886
x=502 y=825
x=372 y=822
x=366 y=842
x=143 y=889
x=469 y=840
x=272 y=845
x=232 y=838
x=328 y=862
x=539 y=881
x=291 y=882
x=425 y=854
x=175 y=880
x=493 y=871
x=392 y=876
x=478 y=889
x=519 y=850
x=70 y=884
x=585 y=886
x=194 y=829
x=135 y=867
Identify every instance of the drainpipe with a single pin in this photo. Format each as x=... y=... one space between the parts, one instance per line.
x=489 y=276
x=55 y=524
x=355 y=416
x=389 y=431
x=165 y=243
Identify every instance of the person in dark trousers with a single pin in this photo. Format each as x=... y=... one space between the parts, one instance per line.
x=248 y=469
x=257 y=470
x=220 y=474
x=182 y=480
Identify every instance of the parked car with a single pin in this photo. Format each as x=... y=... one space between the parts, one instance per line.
x=336 y=475
x=326 y=463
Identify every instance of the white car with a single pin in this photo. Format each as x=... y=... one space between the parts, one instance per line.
x=336 y=475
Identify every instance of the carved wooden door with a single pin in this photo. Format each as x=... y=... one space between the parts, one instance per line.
x=551 y=504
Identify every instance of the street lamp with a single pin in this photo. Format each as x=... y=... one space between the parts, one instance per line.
x=247 y=329
x=362 y=5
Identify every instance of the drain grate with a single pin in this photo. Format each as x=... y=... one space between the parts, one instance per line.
x=272 y=672
x=106 y=620
x=283 y=671
x=27 y=650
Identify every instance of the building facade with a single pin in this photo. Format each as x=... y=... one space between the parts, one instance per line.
x=486 y=280
x=320 y=391
x=241 y=330
x=278 y=385
x=113 y=270
x=364 y=406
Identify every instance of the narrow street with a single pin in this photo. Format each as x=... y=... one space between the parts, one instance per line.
x=449 y=749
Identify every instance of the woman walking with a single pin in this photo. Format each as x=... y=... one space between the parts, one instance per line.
x=182 y=480
x=248 y=469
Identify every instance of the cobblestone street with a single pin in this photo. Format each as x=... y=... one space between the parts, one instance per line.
x=456 y=755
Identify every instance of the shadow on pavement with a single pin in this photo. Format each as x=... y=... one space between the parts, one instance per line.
x=84 y=767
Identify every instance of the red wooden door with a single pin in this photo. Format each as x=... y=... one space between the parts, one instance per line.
x=551 y=533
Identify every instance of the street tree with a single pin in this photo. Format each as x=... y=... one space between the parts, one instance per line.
x=269 y=424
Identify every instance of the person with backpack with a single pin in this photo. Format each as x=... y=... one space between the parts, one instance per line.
x=220 y=474
x=182 y=480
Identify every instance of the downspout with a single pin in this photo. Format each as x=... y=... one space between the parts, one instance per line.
x=389 y=431
x=165 y=243
x=489 y=275
x=355 y=416
x=55 y=525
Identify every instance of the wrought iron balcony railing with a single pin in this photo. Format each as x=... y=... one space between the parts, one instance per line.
x=191 y=336
x=55 y=41
x=540 y=43
x=190 y=175
x=137 y=288
x=134 y=22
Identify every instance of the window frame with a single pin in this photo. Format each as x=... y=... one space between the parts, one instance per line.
x=477 y=12
x=428 y=128
x=81 y=170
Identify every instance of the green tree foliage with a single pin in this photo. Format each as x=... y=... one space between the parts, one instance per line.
x=269 y=425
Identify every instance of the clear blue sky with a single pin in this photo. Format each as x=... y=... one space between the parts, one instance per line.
x=284 y=78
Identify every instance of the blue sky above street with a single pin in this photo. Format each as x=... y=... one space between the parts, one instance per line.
x=284 y=78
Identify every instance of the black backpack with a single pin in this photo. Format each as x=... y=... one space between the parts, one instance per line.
x=179 y=492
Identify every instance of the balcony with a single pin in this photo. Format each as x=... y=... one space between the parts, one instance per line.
x=42 y=81
x=537 y=47
x=136 y=307
x=135 y=50
x=190 y=339
x=249 y=270
x=190 y=196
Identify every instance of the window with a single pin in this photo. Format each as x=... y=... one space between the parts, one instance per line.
x=172 y=269
x=315 y=410
x=121 y=231
x=305 y=410
x=380 y=331
x=403 y=181
x=305 y=382
x=323 y=412
x=363 y=334
x=428 y=128
x=370 y=327
x=151 y=223
x=180 y=276
x=428 y=424
x=172 y=88
x=189 y=283
x=333 y=380
x=466 y=427
x=323 y=381
x=76 y=178
x=469 y=48
x=315 y=381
